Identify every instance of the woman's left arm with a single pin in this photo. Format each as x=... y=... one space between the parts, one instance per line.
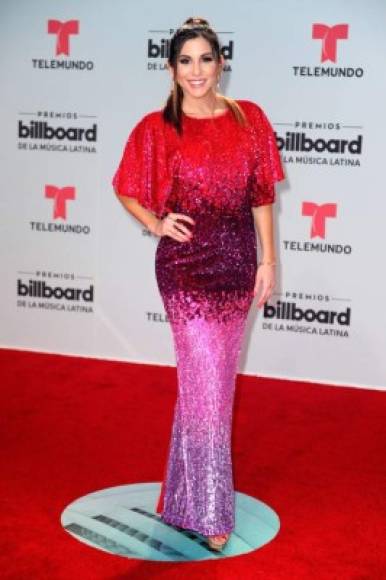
x=266 y=275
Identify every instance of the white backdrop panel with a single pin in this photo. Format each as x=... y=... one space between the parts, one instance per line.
x=107 y=303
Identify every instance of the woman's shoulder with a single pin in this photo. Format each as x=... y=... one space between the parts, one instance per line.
x=153 y=123
x=153 y=116
x=145 y=127
x=255 y=113
x=249 y=106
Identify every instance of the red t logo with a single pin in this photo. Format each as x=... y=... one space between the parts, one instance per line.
x=63 y=31
x=60 y=196
x=329 y=35
x=318 y=213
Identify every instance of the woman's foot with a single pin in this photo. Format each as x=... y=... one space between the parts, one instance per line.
x=217 y=542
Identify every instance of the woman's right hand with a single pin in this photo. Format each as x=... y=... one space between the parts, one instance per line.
x=169 y=226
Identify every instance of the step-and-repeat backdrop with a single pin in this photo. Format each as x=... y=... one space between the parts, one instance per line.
x=77 y=271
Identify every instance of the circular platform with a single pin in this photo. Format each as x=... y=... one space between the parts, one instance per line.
x=122 y=520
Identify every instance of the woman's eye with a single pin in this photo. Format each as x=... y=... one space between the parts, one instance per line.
x=205 y=59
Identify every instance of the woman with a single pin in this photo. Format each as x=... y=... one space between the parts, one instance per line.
x=200 y=174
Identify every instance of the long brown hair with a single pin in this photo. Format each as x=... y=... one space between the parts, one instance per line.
x=193 y=27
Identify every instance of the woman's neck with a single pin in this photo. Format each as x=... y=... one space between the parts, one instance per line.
x=210 y=107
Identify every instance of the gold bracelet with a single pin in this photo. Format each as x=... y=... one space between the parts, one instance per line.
x=267 y=264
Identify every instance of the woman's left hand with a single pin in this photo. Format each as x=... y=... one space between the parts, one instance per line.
x=264 y=283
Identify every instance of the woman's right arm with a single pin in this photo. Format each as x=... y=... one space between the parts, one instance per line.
x=158 y=227
x=143 y=215
x=143 y=178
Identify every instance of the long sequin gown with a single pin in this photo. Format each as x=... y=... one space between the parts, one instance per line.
x=215 y=173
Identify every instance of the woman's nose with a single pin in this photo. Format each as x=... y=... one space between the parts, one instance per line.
x=196 y=68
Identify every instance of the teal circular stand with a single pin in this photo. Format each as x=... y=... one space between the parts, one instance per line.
x=122 y=520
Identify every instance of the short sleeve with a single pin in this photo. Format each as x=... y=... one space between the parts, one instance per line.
x=143 y=171
x=268 y=168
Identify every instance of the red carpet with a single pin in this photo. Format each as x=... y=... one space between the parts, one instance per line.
x=70 y=426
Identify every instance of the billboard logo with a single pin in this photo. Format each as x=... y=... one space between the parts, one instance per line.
x=301 y=142
x=43 y=130
x=318 y=215
x=63 y=31
x=40 y=289
x=291 y=311
x=57 y=131
x=329 y=35
x=60 y=195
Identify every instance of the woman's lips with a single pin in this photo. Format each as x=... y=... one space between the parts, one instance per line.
x=197 y=83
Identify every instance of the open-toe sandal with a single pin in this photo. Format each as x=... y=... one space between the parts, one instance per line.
x=217 y=542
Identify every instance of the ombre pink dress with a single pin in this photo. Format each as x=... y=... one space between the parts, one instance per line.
x=215 y=173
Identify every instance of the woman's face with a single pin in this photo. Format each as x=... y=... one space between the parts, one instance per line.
x=197 y=71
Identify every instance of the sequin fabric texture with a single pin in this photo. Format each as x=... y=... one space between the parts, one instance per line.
x=215 y=172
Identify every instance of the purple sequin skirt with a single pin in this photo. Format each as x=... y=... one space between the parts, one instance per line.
x=207 y=289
